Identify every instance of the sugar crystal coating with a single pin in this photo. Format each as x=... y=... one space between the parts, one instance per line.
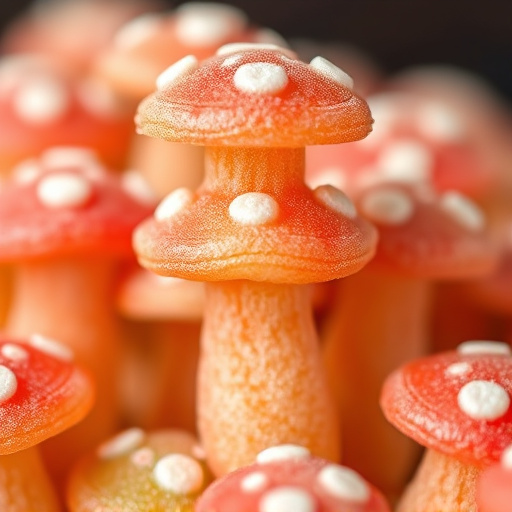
x=178 y=473
x=254 y=481
x=287 y=499
x=344 y=483
x=14 y=352
x=42 y=100
x=181 y=68
x=254 y=209
x=173 y=203
x=51 y=347
x=8 y=383
x=464 y=211
x=332 y=71
x=260 y=78
x=63 y=189
x=484 y=347
x=483 y=400
x=388 y=206
x=122 y=443
x=336 y=200
x=282 y=452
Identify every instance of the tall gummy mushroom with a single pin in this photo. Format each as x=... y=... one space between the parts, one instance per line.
x=254 y=231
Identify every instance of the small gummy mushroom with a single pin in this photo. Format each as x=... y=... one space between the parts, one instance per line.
x=66 y=226
x=138 y=471
x=287 y=478
x=42 y=393
x=457 y=405
x=254 y=231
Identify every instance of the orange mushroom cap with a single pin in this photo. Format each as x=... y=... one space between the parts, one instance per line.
x=42 y=392
x=254 y=97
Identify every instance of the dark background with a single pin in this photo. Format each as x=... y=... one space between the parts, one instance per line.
x=473 y=34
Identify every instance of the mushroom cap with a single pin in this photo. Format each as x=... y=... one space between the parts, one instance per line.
x=423 y=234
x=456 y=402
x=146 y=45
x=494 y=486
x=41 y=107
x=251 y=96
x=299 y=236
x=42 y=392
x=287 y=478
x=67 y=203
x=138 y=471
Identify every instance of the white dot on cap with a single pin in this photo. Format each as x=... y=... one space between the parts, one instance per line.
x=134 y=183
x=344 y=483
x=68 y=156
x=178 y=473
x=14 y=352
x=174 y=203
x=51 y=347
x=457 y=369
x=137 y=31
x=204 y=24
x=282 y=452
x=8 y=383
x=506 y=458
x=405 y=160
x=484 y=347
x=253 y=209
x=42 y=100
x=254 y=481
x=336 y=200
x=260 y=78
x=330 y=70
x=464 y=211
x=483 y=400
x=99 y=99
x=26 y=171
x=440 y=122
x=61 y=190
x=121 y=444
x=181 y=68
x=245 y=47
x=387 y=206
x=287 y=499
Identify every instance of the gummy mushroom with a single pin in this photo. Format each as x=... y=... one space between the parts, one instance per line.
x=254 y=231
x=287 y=478
x=381 y=316
x=42 y=393
x=457 y=405
x=140 y=471
x=494 y=487
x=66 y=226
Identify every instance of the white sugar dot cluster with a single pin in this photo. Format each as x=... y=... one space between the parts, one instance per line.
x=51 y=347
x=483 y=400
x=458 y=369
x=463 y=210
x=8 y=383
x=175 y=202
x=330 y=70
x=484 y=347
x=254 y=482
x=42 y=100
x=336 y=200
x=388 y=206
x=63 y=190
x=343 y=483
x=253 y=209
x=282 y=452
x=122 y=444
x=203 y=24
x=178 y=473
x=137 y=31
x=14 y=352
x=287 y=499
x=174 y=72
x=260 y=78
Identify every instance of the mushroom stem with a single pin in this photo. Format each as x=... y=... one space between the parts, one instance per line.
x=24 y=483
x=378 y=322
x=260 y=376
x=69 y=299
x=441 y=483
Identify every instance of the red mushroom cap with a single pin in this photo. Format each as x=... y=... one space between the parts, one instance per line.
x=256 y=97
x=457 y=403
x=67 y=203
x=42 y=392
x=287 y=478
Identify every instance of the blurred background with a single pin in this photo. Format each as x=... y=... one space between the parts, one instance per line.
x=473 y=34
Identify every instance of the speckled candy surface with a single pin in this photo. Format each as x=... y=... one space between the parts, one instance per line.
x=457 y=403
